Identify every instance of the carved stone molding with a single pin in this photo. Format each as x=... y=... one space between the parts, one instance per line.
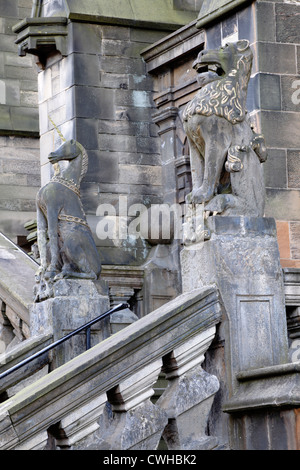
x=292 y=286
x=42 y=37
x=136 y=389
x=174 y=46
x=166 y=119
x=79 y=424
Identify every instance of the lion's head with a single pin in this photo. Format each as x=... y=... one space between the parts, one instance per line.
x=223 y=75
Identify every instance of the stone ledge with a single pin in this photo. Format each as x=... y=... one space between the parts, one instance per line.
x=242 y=226
x=273 y=386
x=19 y=121
x=173 y=47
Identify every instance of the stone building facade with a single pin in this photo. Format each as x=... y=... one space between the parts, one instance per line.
x=273 y=95
x=117 y=80
x=272 y=28
x=19 y=127
x=104 y=65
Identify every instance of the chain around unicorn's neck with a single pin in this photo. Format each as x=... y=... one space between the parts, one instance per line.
x=66 y=182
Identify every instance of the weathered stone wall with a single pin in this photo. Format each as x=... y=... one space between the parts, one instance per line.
x=19 y=183
x=19 y=146
x=193 y=5
x=126 y=107
x=279 y=64
x=272 y=27
x=93 y=87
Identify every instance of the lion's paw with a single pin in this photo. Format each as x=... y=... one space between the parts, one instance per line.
x=198 y=196
x=218 y=204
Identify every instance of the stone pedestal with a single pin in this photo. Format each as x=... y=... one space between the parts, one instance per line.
x=75 y=303
x=241 y=259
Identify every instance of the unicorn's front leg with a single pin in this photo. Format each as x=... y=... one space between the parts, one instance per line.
x=42 y=241
x=54 y=266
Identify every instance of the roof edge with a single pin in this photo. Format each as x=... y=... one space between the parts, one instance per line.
x=204 y=19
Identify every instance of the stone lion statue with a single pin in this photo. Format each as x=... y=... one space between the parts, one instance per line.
x=226 y=154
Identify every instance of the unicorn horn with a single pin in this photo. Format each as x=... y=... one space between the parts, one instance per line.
x=57 y=130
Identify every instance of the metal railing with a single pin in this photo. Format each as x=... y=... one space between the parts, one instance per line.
x=86 y=327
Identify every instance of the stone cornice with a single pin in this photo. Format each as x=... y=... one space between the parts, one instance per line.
x=269 y=387
x=38 y=36
x=212 y=10
x=172 y=47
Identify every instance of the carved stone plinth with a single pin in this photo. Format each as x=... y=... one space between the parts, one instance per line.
x=265 y=411
x=242 y=260
x=75 y=303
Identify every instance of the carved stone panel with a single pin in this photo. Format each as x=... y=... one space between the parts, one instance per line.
x=254 y=315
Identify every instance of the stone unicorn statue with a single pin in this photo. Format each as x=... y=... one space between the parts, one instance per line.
x=67 y=248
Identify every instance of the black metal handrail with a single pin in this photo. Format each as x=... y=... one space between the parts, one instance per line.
x=86 y=327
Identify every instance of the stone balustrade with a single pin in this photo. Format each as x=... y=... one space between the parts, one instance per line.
x=102 y=398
